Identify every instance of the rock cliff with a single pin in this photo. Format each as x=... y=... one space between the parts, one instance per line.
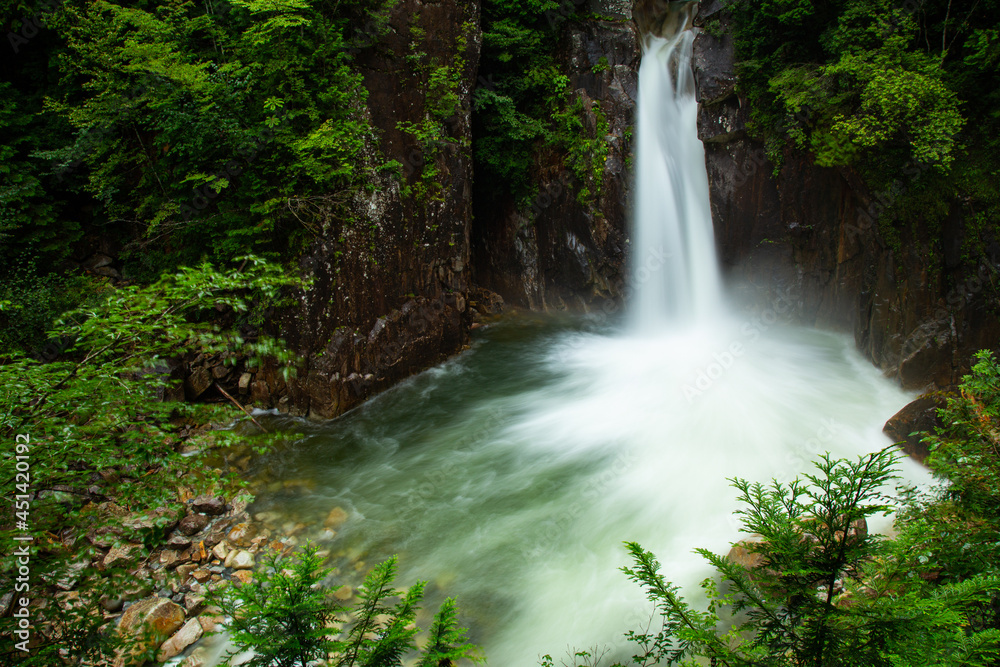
x=557 y=252
x=390 y=277
x=807 y=239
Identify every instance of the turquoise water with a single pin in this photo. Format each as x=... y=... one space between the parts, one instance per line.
x=510 y=476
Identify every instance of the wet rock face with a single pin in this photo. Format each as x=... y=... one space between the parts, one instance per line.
x=390 y=268
x=808 y=237
x=557 y=253
x=920 y=416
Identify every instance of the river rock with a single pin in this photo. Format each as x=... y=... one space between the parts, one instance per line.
x=241 y=534
x=344 y=593
x=149 y=621
x=179 y=542
x=210 y=620
x=104 y=537
x=198 y=658
x=184 y=571
x=112 y=604
x=240 y=560
x=199 y=553
x=194 y=604
x=243 y=576
x=201 y=576
x=72 y=575
x=193 y=524
x=269 y=519
x=211 y=505
x=919 y=416
x=197 y=383
x=122 y=556
x=742 y=555
x=6 y=601
x=221 y=550
x=164 y=518
x=336 y=518
x=189 y=633
x=169 y=558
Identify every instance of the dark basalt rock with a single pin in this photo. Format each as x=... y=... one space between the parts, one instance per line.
x=809 y=237
x=920 y=416
x=559 y=253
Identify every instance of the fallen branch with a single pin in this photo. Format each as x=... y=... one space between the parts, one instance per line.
x=237 y=404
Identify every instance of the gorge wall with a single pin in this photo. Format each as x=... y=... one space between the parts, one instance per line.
x=395 y=283
x=558 y=252
x=805 y=242
x=390 y=279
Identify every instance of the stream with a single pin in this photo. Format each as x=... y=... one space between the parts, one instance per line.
x=510 y=475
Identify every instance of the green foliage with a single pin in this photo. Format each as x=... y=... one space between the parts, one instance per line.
x=956 y=528
x=186 y=126
x=95 y=424
x=882 y=86
x=284 y=619
x=287 y=617
x=524 y=105
x=442 y=101
x=448 y=641
x=34 y=299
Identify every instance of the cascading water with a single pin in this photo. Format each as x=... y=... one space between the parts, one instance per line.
x=674 y=269
x=510 y=476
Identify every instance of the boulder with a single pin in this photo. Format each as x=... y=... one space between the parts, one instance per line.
x=149 y=621
x=122 y=556
x=161 y=518
x=179 y=542
x=240 y=560
x=221 y=550
x=193 y=524
x=241 y=534
x=211 y=505
x=198 y=658
x=169 y=558
x=189 y=633
x=243 y=576
x=194 y=604
x=201 y=576
x=197 y=383
x=344 y=593
x=916 y=417
x=72 y=575
x=104 y=537
x=210 y=620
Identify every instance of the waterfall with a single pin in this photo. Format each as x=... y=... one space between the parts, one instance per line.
x=675 y=274
x=510 y=475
